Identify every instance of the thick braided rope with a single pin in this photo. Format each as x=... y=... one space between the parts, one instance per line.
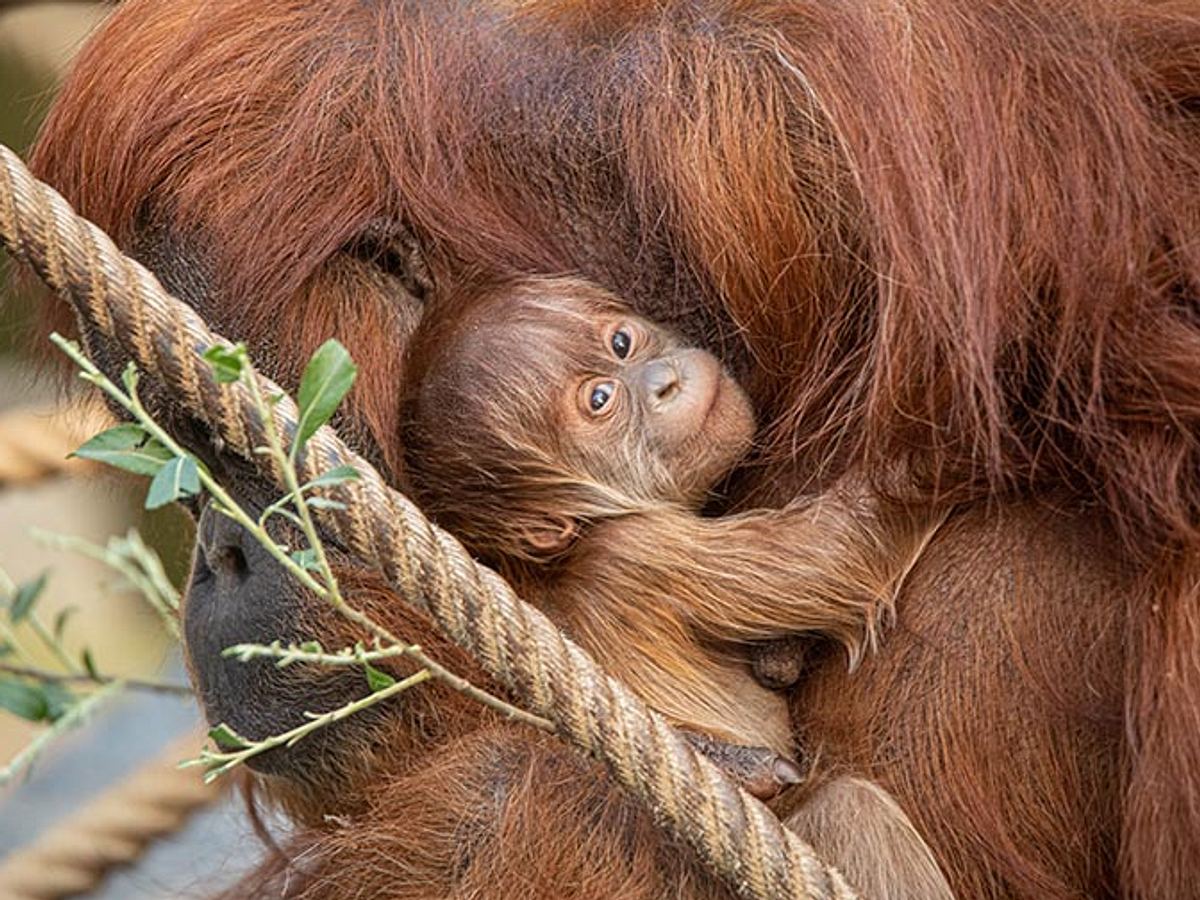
x=113 y=830
x=117 y=298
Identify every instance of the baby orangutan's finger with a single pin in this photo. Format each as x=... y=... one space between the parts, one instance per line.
x=761 y=771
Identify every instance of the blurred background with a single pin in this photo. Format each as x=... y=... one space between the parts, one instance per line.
x=38 y=491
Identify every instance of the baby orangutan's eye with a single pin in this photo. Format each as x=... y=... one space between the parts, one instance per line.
x=600 y=395
x=621 y=342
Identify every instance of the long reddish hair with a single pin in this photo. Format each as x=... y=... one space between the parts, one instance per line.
x=954 y=238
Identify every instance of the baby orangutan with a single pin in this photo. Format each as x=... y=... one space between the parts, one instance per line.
x=571 y=445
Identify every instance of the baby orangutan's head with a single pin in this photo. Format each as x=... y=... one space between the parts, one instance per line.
x=550 y=406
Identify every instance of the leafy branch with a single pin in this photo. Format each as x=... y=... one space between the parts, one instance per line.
x=145 y=448
x=137 y=564
x=62 y=697
x=233 y=749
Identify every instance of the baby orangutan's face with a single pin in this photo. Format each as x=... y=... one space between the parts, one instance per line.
x=552 y=406
x=563 y=376
x=646 y=406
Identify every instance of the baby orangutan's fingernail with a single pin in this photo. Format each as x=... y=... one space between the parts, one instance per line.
x=787 y=772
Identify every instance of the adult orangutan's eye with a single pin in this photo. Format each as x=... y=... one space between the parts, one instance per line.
x=600 y=396
x=622 y=342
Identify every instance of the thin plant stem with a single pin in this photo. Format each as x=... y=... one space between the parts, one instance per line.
x=229 y=507
x=287 y=466
x=222 y=761
x=150 y=563
x=140 y=684
x=286 y=656
x=146 y=584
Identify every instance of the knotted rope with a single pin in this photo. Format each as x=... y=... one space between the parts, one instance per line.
x=117 y=298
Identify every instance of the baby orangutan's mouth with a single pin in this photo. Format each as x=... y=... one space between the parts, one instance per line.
x=700 y=382
x=713 y=400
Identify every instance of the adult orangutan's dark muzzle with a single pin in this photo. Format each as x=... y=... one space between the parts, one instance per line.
x=239 y=594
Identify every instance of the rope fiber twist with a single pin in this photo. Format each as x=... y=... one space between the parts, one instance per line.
x=120 y=300
x=75 y=856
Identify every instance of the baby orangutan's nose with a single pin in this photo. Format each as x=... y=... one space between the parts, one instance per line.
x=660 y=381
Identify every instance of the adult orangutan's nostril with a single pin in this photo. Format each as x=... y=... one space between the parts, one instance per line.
x=222 y=548
x=228 y=561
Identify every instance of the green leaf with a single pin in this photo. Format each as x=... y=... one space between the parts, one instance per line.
x=323 y=503
x=60 y=621
x=58 y=700
x=327 y=378
x=226 y=738
x=305 y=559
x=24 y=700
x=311 y=647
x=336 y=475
x=376 y=679
x=228 y=363
x=178 y=478
x=129 y=378
x=89 y=664
x=126 y=447
x=25 y=597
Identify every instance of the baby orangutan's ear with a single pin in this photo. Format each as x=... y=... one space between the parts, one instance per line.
x=549 y=536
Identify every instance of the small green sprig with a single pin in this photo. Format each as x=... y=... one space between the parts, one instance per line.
x=138 y=565
x=144 y=447
x=232 y=749
x=312 y=652
x=61 y=697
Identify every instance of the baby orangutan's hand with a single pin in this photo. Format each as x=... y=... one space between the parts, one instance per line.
x=761 y=771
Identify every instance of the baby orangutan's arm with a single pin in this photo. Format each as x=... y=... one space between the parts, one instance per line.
x=831 y=566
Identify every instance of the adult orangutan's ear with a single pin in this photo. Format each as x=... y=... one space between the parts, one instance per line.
x=550 y=536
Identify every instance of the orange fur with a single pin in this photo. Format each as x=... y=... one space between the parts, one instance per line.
x=954 y=241
x=635 y=575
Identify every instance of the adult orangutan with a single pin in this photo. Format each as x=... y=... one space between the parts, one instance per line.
x=949 y=248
